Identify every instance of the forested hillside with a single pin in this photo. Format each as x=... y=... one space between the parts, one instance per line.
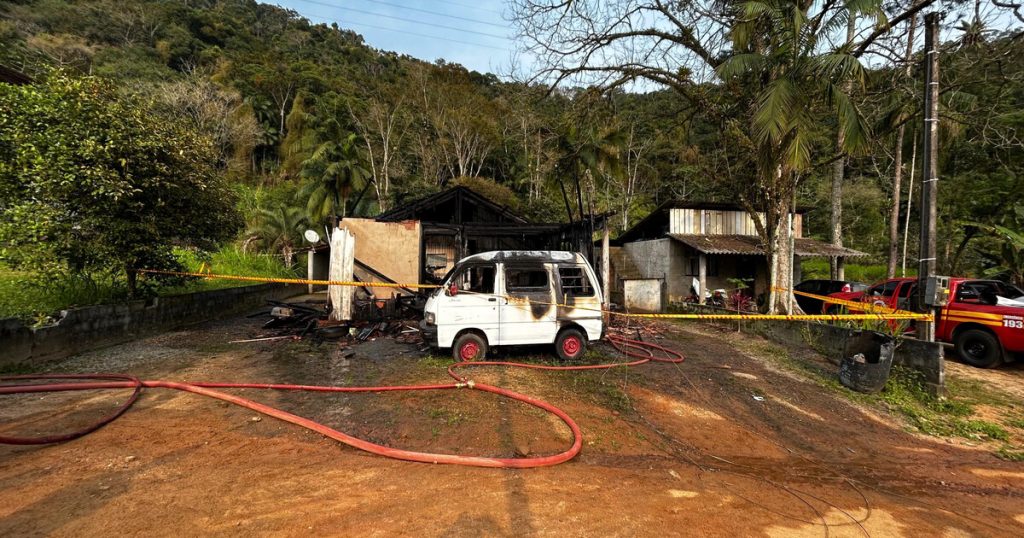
x=301 y=117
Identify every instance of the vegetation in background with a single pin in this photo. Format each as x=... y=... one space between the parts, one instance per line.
x=817 y=268
x=281 y=104
x=39 y=298
x=95 y=181
x=228 y=261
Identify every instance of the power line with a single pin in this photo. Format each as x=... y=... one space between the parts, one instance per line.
x=405 y=32
x=470 y=6
x=406 y=8
x=403 y=19
x=421 y=10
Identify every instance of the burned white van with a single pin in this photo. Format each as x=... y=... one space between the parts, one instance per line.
x=514 y=297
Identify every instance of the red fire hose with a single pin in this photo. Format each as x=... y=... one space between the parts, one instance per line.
x=118 y=381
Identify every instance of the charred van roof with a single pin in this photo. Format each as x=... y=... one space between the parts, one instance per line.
x=542 y=256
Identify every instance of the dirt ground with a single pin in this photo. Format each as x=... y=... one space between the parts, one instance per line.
x=724 y=444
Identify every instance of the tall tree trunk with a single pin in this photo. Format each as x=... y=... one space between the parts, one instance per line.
x=565 y=198
x=837 y=270
x=838 y=167
x=897 y=178
x=894 y=207
x=579 y=193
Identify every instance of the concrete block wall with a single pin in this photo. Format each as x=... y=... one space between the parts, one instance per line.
x=92 y=327
x=661 y=258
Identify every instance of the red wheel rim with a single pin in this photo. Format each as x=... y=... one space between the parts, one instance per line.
x=469 y=351
x=571 y=346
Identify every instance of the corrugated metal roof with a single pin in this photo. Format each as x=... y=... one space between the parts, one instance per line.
x=751 y=245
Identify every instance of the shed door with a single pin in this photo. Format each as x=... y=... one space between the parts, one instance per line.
x=528 y=314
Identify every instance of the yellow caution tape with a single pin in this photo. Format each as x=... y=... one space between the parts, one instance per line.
x=291 y=280
x=889 y=313
x=898 y=315
x=867 y=307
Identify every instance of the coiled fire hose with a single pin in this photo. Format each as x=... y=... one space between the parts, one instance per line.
x=643 y=352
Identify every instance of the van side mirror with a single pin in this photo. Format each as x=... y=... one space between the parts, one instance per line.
x=453 y=289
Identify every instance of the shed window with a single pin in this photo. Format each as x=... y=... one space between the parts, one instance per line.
x=575 y=282
x=712 y=266
x=526 y=279
x=436 y=261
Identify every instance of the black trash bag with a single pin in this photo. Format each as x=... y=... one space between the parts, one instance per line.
x=867 y=361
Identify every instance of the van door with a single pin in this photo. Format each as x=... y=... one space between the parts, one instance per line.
x=474 y=305
x=528 y=313
x=581 y=299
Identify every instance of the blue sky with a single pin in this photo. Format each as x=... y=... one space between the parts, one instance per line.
x=426 y=29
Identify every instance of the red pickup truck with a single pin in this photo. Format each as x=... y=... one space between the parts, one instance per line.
x=984 y=319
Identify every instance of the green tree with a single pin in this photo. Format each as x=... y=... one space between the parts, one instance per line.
x=789 y=84
x=332 y=173
x=280 y=229
x=1008 y=261
x=93 y=180
x=584 y=150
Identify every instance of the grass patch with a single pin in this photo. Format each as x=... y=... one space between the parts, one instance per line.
x=604 y=392
x=228 y=261
x=435 y=361
x=446 y=416
x=1009 y=454
x=904 y=395
x=866 y=273
x=37 y=298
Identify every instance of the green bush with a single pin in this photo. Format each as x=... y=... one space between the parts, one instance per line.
x=867 y=273
x=229 y=260
x=37 y=297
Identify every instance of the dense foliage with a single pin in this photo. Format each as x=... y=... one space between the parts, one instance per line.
x=92 y=180
x=296 y=109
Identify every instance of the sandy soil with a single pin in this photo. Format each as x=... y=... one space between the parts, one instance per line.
x=722 y=445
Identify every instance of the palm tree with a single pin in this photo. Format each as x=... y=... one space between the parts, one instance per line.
x=280 y=229
x=581 y=151
x=1008 y=263
x=333 y=171
x=778 y=55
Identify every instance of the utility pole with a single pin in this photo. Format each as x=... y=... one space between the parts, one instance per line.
x=930 y=172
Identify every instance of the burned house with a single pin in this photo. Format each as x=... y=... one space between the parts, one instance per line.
x=682 y=247
x=417 y=242
x=458 y=222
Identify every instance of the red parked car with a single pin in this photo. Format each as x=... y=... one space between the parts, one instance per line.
x=984 y=319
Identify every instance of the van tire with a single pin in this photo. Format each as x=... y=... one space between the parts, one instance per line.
x=469 y=347
x=570 y=344
x=979 y=348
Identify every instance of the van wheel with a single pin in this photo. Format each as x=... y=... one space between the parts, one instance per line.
x=979 y=348
x=469 y=347
x=570 y=344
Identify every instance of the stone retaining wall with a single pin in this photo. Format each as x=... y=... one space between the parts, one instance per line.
x=92 y=327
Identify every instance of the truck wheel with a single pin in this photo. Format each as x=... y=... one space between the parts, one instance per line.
x=570 y=344
x=979 y=348
x=469 y=347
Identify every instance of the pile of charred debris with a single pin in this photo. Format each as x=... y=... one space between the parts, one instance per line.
x=396 y=318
